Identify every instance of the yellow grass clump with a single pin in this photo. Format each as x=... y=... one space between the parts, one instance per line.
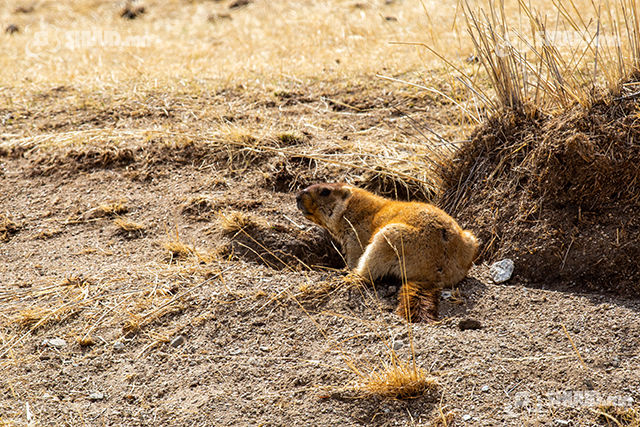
x=236 y=221
x=618 y=416
x=128 y=226
x=112 y=208
x=181 y=251
x=38 y=317
x=398 y=380
x=7 y=228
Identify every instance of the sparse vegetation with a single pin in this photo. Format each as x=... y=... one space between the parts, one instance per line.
x=558 y=137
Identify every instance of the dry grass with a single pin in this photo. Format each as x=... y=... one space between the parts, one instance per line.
x=179 y=250
x=7 y=228
x=112 y=209
x=235 y=222
x=36 y=317
x=86 y=341
x=177 y=43
x=48 y=234
x=617 y=416
x=398 y=380
x=127 y=226
x=534 y=64
x=444 y=418
x=309 y=292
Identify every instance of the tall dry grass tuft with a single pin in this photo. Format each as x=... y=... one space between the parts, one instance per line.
x=535 y=66
x=398 y=380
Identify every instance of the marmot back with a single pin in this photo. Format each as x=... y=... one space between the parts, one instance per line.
x=415 y=242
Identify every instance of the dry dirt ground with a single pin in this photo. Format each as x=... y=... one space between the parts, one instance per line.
x=269 y=334
x=154 y=268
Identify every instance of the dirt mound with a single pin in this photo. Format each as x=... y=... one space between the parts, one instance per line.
x=558 y=194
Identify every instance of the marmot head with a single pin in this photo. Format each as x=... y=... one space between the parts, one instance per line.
x=324 y=203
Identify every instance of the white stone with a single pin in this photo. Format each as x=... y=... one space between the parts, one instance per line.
x=55 y=342
x=501 y=271
x=96 y=396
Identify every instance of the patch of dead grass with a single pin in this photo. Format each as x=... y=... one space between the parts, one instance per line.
x=178 y=250
x=37 y=317
x=7 y=228
x=48 y=234
x=617 y=416
x=112 y=208
x=86 y=341
x=309 y=292
x=444 y=418
x=398 y=380
x=127 y=226
x=234 y=222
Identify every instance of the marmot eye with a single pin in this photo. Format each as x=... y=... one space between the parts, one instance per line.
x=325 y=192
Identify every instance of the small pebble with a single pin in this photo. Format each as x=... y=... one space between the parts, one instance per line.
x=562 y=422
x=466 y=417
x=398 y=345
x=96 y=396
x=264 y=348
x=484 y=389
x=177 y=341
x=118 y=346
x=55 y=343
x=469 y=324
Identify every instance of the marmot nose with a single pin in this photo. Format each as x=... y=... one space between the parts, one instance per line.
x=300 y=194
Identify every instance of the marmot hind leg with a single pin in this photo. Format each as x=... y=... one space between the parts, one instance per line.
x=417 y=304
x=383 y=255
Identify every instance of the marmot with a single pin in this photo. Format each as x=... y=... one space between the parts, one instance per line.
x=415 y=242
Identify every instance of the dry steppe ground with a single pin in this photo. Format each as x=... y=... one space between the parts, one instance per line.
x=154 y=268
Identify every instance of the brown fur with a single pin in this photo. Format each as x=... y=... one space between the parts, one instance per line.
x=415 y=242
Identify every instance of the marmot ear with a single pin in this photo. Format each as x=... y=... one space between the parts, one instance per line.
x=345 y=193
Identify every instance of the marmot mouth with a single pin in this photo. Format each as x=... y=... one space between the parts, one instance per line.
x=302 y=207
